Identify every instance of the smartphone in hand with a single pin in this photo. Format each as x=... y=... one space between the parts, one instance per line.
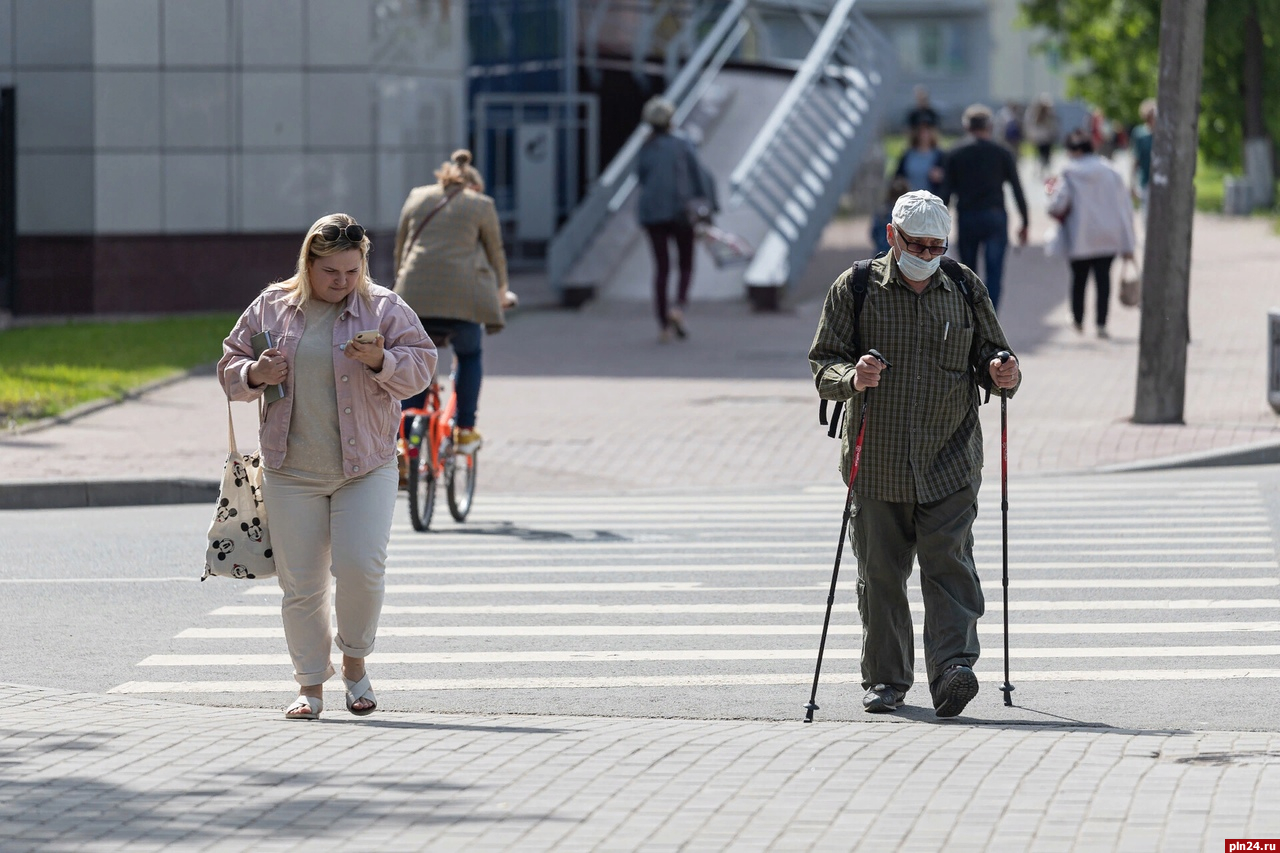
x=367 y=337
x=262 y=342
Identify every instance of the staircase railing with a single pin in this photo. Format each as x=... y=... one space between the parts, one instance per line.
x=810 y=147
x=618 y=180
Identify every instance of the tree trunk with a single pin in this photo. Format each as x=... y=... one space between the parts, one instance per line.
x=1259 y=153
x=1251 y=78
x=1162 y=342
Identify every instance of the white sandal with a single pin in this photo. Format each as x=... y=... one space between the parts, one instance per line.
x=313 y=704
x=357 y=690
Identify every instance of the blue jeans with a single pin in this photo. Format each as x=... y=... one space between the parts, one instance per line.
x=991 y=229
x=466 y=341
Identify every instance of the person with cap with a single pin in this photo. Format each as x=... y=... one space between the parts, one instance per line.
x=977 y=170
x=676 y=193
x=916 y=491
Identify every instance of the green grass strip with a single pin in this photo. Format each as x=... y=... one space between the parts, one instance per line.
x=46 y=370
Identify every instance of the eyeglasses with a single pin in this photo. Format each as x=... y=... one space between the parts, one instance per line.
x=920 y=248
x=353 y=232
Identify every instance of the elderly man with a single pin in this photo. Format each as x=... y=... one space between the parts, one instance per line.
x=917 y=485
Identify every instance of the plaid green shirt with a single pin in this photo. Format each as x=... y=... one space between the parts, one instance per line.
x=923 y=439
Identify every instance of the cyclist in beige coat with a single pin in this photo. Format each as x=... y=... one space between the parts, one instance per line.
x=452 y=271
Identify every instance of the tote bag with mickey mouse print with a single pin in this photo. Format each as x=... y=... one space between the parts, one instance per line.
x=239 y=544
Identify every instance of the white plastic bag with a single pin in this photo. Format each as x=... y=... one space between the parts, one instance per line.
x=726 y=248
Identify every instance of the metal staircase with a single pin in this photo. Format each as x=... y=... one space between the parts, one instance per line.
x=809 y=148
x=794 y=170
x=615 y=185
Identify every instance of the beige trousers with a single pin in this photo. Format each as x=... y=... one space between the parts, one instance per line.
x=321 y=528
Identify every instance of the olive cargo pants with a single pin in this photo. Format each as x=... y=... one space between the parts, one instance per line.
x=886 y=537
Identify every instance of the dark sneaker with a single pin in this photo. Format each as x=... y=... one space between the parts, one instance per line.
x=959 y=686
x=882 y=699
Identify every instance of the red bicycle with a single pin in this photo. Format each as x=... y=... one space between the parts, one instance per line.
x=428 y=439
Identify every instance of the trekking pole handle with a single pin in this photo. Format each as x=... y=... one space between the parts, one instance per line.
x=1004 y=355
x=878 y=357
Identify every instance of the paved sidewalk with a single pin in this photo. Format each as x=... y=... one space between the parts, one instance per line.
x=99 y=773
x=589 y=400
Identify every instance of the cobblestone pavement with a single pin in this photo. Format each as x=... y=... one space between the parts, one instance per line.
x=93 y=773
x=590 y=402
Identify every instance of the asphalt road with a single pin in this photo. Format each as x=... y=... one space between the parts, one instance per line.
x=1143 y=602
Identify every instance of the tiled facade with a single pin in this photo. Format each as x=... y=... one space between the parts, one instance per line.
x=193 y=141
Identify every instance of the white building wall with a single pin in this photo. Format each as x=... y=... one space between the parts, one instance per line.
x=1019 y=72
x=228 y=116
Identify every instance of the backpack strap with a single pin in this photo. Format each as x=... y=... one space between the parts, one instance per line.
x=861 y=275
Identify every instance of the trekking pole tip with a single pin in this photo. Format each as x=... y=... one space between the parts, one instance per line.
x=1007 y=690
x=809 y=709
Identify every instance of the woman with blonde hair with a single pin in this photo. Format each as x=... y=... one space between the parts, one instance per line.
x=345 y=351
x=451 y=269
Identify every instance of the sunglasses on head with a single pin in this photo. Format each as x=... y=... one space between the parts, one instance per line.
x=352 y=233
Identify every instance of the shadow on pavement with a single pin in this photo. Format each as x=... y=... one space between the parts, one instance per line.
x=384 y=723
x=224 y=804
x=926 y=715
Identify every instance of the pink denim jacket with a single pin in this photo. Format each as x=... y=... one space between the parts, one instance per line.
x=368 y=402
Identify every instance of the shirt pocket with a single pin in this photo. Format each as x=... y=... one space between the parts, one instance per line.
x=953 y=335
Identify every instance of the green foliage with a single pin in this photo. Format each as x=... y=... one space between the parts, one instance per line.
x=45 y=370
x=1210 y=182
x=1115 y=45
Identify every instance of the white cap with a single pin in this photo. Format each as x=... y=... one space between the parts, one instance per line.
x=922 y=214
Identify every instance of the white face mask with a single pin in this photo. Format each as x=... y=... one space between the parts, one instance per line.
x=917 y=269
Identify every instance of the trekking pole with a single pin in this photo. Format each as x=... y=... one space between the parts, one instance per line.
x=844 y=527
x=1004 y=356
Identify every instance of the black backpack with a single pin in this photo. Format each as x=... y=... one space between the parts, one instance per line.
x=861 y=275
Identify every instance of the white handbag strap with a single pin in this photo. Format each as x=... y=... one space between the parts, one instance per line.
x=231 y=431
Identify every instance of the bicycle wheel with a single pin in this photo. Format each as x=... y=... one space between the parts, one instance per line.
x=460 y=485
x=422 y=478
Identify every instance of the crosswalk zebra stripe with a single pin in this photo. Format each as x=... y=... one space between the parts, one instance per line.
x=740 y=630
x=740 y=543
x=1225 y=488
x=833 y=523
x=452 y=568
x=1141 y=496
x=799 y=679
x=191 y=577
x=624 y=682
x=667 y=655
x=1226 y=537
x=1211 y=499
x=772 y=607
x=989 y=516
x=1166 y=518
x=556 y=588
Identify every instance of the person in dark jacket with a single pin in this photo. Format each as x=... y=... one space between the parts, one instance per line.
x=676 y=193
x=976 y=172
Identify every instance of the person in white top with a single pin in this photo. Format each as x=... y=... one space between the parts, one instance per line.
x=1091 y=202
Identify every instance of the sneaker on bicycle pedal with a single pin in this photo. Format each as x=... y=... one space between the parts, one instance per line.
x=467 y=441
